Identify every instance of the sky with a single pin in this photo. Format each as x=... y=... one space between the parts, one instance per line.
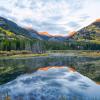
x=57 y=17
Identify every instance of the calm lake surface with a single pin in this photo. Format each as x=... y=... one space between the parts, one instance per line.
x=47 y=78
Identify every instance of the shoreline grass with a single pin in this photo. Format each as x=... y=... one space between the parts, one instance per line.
x=88 y=53
x=24 y=53
x=28 y=55
x=20 y=54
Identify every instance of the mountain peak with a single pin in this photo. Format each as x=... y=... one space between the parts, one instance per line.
x=44 y=33
x=97 y=20
x=47 y=34
x=70 y=34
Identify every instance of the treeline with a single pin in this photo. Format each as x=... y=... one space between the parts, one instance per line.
x=71 y=45
x=83 y=45
x=22 y=44
x=39 y=46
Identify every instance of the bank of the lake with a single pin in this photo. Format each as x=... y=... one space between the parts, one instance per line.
x=19 y=54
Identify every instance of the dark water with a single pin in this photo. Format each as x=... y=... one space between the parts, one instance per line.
x=31 y=79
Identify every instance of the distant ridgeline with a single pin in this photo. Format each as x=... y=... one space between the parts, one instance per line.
x=14 y=37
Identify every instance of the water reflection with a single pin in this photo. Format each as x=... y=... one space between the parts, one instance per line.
x=12 y=68
x=52 y=83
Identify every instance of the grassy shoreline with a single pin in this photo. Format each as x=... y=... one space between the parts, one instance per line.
x=88 y=53
x=25 y=54
x=20 y=54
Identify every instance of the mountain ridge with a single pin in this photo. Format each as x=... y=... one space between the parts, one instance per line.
x=90 y=32
x=27 y=32
x=87 y=37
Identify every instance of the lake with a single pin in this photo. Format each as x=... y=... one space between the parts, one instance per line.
x=57 y=77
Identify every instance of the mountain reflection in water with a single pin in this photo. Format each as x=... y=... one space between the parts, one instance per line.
x=51 y=83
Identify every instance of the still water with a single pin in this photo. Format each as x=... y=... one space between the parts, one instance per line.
x=51 y=83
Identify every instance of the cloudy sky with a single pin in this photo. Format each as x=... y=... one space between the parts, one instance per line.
x=54 y=16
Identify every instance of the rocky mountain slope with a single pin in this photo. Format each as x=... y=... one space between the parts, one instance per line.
x=10 y=28
x=89 y=33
